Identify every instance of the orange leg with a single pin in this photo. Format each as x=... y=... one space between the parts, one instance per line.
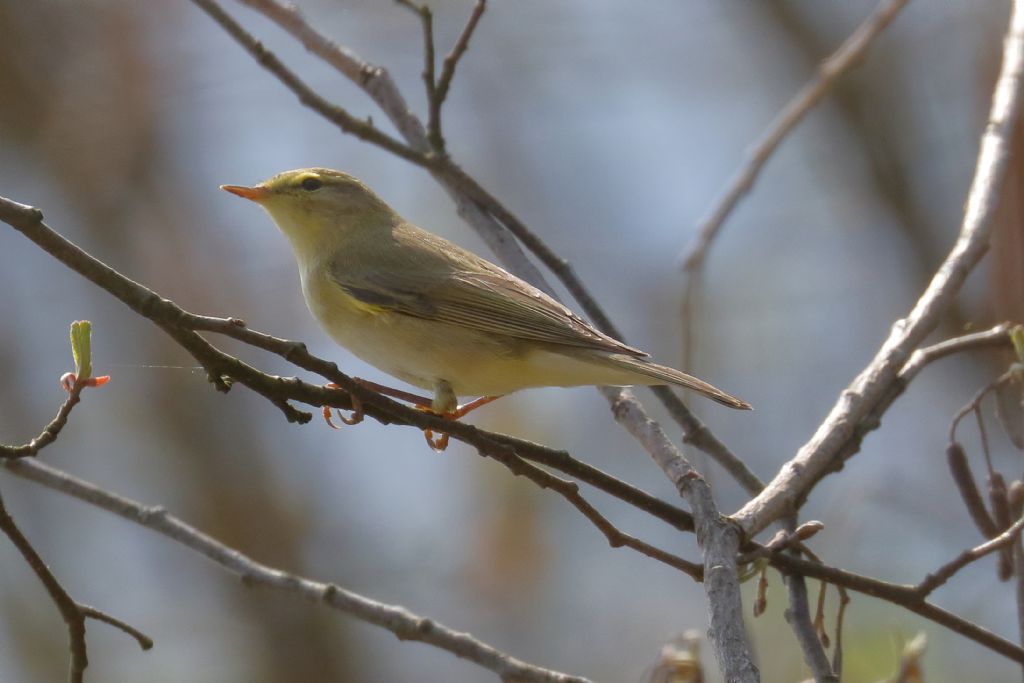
x=441 y=442
x=423 y=403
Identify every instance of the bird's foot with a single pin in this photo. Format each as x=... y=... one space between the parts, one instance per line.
x=357 y=414
x=437 y=443
x=354 y=418
x=440 y=443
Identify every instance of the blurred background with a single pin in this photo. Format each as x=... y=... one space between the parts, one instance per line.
x=610 y=128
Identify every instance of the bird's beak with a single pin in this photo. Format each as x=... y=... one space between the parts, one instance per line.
x=256 y=194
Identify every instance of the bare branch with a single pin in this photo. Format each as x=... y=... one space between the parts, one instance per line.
x=946 y=571
x=429 y=81
x=50 y=431
x=444 y=82
x=839 y=62
x=404 y=624
x=73 y=613
x=182 y=326
x=717 y=536
x=363 y=130
x=870 y=388
x=798 y=616
x=898 y=594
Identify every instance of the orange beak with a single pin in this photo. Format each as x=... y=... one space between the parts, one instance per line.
x=252 y=193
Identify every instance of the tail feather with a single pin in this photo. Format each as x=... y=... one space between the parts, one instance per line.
x=667 y=375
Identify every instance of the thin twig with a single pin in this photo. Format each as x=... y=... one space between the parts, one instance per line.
x=798 y=614
x=870 y=388
x=842 y=60
x=50 y=431
x=569 y=491
x=73 y=613
x=426 y=18
x=398 y=620
x=903 y=595
x=944 y=573
x=444 y=81
x=348 y=123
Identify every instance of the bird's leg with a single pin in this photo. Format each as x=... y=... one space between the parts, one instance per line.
x=461 y=411
x=409 y=397
x=446 y=405
x=357 y=406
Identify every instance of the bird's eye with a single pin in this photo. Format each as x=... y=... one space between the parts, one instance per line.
x=311 y=184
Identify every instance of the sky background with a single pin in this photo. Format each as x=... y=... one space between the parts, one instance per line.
x=610 y=128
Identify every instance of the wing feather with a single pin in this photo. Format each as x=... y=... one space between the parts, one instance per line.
x=463 y=289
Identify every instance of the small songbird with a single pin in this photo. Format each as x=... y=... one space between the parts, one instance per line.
x=432 y=313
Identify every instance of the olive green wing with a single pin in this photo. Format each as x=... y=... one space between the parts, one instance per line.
x=472 y=293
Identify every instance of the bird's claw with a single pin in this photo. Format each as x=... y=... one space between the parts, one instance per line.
x=439 y=444
x=354 y=418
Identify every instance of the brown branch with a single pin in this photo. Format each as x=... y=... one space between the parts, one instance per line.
x=718 y=537
x=869 y=390
x=182 y=326
x=849 y=54
x=156 y=518
x=898 y=594
x=946 y=571
x=568 y=490
x=73 y=612
x=444 y=82
x=364 y=130
x=398 y=620
x=974 y=407
x=429 y=80
x=50 y=431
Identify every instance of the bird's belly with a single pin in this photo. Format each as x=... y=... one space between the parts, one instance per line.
x=418 y=351
x=424 y=352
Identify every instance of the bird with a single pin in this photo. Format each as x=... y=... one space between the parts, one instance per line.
x=435 y=315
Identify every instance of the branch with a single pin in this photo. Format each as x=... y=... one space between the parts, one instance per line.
x=897 y=594
x=869 y=389
x=364 y=130
x=404 y=624
x=182 y=326
x=838 y=63
x=996 y=337
x=50 y=431
x=798 y=614
x=448 y=72
x=73 y=612
x=718 y=537
x=946 y=571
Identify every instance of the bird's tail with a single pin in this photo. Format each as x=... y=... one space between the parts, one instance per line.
x=660 y=374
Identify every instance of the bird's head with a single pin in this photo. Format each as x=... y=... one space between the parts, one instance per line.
x=317 y=208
